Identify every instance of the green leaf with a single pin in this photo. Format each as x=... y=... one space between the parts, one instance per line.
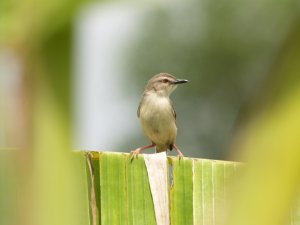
x=197 y=192
x=140 y=205
x=113 y=189
x=182 y=192
x=93 y=177
x=207 y=192
x=218 y=190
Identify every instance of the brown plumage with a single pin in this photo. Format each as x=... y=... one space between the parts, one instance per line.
x=157 y=115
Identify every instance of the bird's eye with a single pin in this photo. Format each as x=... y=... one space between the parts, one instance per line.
x=165 y=80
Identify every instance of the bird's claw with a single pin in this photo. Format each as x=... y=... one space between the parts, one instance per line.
x=134 y=154
x=180 y=156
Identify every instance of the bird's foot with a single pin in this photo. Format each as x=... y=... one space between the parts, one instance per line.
x=134 y=154
x=180 y=155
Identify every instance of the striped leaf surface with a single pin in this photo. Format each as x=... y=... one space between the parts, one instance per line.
x=198 y=190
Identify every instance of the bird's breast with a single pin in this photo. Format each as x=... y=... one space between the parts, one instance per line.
x=157 y=120
x=157 y=108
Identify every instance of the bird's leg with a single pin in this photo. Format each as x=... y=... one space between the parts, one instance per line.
x=134 y=153
x=180 y=155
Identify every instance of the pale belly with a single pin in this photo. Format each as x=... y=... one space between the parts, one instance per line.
x=158 y=123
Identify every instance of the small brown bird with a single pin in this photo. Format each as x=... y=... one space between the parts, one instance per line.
x=157 y=115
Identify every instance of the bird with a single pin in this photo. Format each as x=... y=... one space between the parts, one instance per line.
x=157 y=115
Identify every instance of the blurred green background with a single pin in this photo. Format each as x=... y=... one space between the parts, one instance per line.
x=242 y=102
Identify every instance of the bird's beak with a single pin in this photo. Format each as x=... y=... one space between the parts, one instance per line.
x=180 y=81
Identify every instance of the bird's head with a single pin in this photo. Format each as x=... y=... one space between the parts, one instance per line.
x=163 y=84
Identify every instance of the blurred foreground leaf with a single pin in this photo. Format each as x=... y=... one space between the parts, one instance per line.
x=271 y=142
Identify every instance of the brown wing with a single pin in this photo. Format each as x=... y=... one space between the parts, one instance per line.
x=138 y=111
x=173 y=110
